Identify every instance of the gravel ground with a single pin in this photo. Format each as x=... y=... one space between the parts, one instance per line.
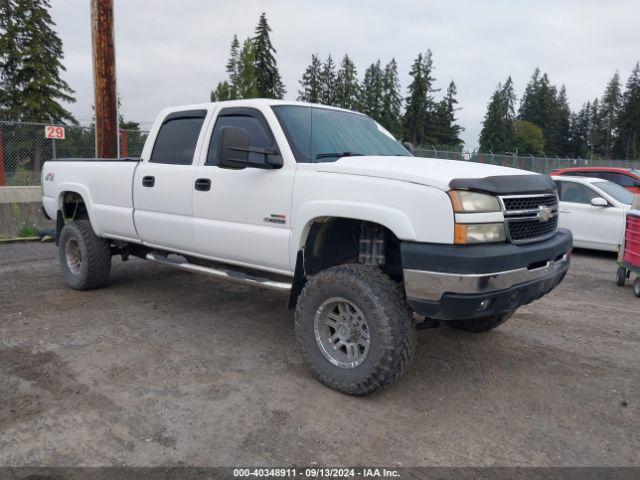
x=169 y=368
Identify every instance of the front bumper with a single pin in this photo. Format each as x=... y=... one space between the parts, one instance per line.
x=471 y=281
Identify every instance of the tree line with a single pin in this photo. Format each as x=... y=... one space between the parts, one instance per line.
x=416 y=117
x=607 y=127
x=253 y=72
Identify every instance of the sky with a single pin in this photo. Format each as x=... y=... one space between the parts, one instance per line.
x=174 y=52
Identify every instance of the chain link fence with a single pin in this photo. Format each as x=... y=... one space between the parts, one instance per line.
x=526 y=162
x=24 y=149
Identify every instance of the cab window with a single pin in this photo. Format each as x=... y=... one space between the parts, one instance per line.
x=575 y=193
x=249 y=119
x=177 y=138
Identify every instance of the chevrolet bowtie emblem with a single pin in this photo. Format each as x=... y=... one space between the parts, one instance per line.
x=544 y=214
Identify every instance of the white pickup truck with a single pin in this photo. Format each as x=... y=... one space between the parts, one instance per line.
x=326 y=203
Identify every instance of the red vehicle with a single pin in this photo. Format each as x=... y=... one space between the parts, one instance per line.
x=629 y=258
x=628 y=178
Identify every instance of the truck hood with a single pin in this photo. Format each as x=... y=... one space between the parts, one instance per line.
x=432 y=172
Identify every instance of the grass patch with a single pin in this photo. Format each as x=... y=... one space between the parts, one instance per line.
x=27 y=231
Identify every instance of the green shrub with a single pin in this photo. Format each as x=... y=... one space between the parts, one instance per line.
x=28 y=231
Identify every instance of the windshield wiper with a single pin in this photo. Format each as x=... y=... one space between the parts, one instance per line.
x=335 y=154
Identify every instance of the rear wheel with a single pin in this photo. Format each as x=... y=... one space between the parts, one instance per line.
x=84 y=257
x=636 y=287
x=479 y=325
x=621 y=276
x=354 y=328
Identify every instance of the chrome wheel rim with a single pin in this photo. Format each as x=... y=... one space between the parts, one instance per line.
x=342 y=332
x=73 y=256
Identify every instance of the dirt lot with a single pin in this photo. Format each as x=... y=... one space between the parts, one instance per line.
x=170 y=368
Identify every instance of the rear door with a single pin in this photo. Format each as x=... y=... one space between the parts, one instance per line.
x=163 y=183
x=242 y=216
x=592 y=227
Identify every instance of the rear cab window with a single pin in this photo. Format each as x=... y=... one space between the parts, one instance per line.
x=176 y=141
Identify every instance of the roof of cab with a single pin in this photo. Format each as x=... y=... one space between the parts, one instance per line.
x=248 y=102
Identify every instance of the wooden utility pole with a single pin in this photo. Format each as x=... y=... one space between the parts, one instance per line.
x=104 y=78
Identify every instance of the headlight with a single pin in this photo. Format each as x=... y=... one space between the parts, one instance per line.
x=473 y=202
x=479 y=233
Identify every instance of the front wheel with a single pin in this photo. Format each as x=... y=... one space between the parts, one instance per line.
x=84 y=257
x=480 y=325
x=636 y=287
x=354 y=328
x=621 y=276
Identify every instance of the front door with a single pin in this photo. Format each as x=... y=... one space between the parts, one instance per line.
x=592 y=226
x=163 y=185
x=242 y=216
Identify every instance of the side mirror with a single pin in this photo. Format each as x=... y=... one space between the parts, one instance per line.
x=599 y=202
x=409 y=146
x=235 y=151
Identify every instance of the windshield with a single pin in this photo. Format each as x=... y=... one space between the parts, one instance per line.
x=319 y=134
x=616 y=191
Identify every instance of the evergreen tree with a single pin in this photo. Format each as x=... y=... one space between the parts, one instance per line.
x=445 y=130
x=347 y=87
x=232 y=69
x=328 y=82
x=10 y=59
x=595 y=137
x=579 y=132
x=498 y=135
x=628 y=144
x=544 y=106
x=32 y=54
x=531 y=103
x=311 y=82
x=562 y=121
x=391 y=108
x=268 y=81
x=222 y=92
x=419 y=102
x=609 y=109
x=246 y=86
x=371 y=91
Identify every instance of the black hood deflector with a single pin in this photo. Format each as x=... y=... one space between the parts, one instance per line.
x=506 y=184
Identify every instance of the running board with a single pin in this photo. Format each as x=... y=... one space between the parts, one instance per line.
x=231 y=275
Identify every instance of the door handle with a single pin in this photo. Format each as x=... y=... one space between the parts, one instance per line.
x=148 y=181
x=203 y=184
x=565 y=211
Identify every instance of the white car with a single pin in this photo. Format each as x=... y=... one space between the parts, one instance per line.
x=594 y=210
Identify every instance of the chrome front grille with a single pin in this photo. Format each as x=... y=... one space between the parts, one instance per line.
x=530 y=218
x=516 y=204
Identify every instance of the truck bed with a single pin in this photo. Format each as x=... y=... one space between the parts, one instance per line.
x=119 y=159
x=104 y=183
